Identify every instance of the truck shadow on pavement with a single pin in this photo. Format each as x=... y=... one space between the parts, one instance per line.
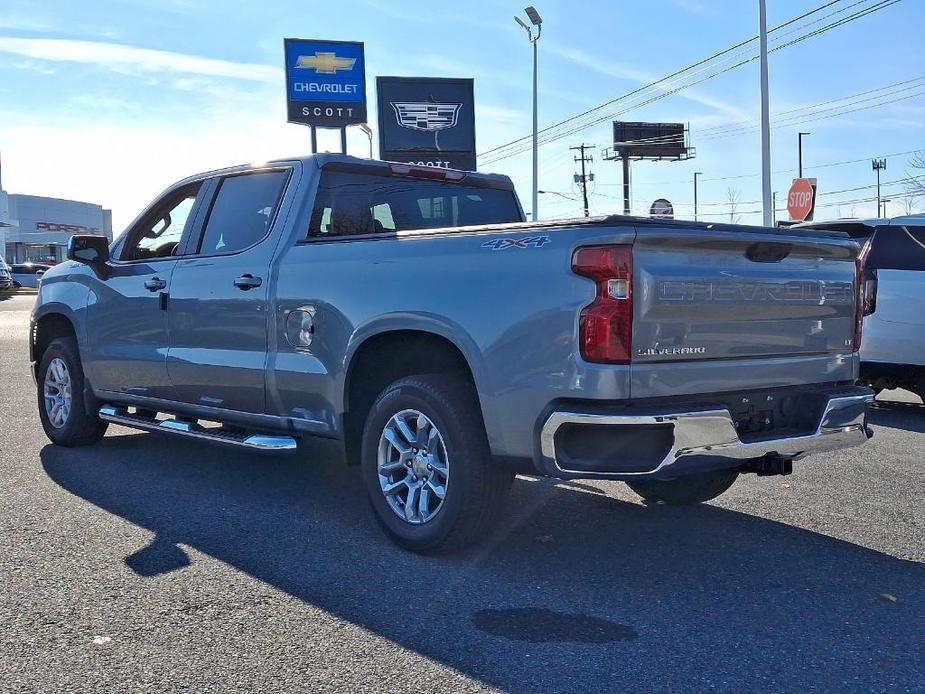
x=578 y=591
x=909 y=416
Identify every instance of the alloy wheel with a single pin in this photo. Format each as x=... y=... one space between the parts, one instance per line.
x=413 y=466
x=57 y=392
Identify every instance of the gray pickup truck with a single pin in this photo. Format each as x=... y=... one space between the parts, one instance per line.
x=412 y=314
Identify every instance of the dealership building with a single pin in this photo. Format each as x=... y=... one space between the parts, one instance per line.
x=37 y=229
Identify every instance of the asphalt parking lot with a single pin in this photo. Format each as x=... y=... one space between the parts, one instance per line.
x=149 y=564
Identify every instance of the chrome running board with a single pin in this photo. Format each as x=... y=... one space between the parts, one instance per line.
x=191 y=429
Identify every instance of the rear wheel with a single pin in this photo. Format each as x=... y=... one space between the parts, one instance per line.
x=427 y=467
x=60 y=394
x=690 y=489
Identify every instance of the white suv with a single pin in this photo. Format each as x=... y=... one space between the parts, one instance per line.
x=893 y=343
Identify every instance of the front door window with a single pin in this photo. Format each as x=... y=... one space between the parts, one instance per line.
x=160 y=233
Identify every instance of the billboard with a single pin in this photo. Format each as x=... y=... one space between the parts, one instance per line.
x=650 y=140
x=428 y=121
x=325 y=82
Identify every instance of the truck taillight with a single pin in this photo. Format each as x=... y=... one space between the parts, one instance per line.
x=867 y=292
x=605 y=327
x=432 y=173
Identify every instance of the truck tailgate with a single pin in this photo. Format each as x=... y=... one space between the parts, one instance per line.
x=708 y=295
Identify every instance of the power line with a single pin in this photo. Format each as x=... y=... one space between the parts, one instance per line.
x=881 y=100
x=811 y=107
x=743 y=127
x=785 y=171
x=644 y=87
x=758 y=202
x=516 y=148
x=631 y=107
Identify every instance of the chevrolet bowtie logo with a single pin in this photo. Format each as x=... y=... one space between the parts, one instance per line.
x=325 y=63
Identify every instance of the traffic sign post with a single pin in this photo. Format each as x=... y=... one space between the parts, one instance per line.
x=801 y=199
x=662 y=209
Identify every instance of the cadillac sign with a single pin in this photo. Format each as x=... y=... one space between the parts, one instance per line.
x=427 y=121
x=325 y=82
x=420 y=115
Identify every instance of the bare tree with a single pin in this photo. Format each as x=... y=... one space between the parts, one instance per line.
x=733 y=196
x=911 y=199
x=915 y=180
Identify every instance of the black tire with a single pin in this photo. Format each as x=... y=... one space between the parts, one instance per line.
x=690 y=489
x=80 y=428
x=475 y=490
x=16 y=285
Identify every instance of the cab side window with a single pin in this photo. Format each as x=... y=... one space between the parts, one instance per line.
x=242 y=212
x=160 y=232
x=356 y=204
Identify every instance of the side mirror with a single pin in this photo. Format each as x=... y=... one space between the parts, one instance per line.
x=91 y=250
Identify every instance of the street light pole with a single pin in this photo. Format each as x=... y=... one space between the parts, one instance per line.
x=536 y=180
x=537 y=21
x=696 y=174
x=767 y=204
x=800 y=149
x=369 y=133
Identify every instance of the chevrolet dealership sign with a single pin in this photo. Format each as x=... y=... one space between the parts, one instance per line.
x=325 y=82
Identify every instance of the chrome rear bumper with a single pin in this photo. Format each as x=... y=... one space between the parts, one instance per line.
x=708 y=439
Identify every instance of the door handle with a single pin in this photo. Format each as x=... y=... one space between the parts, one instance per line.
x=155 y=284
x=248 y=281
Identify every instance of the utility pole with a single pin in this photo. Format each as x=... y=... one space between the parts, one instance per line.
x=765 y=118
x=800 y=152
x=584 y=178
x=696 y=174
x=878 y=166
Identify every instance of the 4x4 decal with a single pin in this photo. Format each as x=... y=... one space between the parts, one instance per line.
x=526 y=242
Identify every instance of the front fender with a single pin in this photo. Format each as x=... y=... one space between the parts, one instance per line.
x=64 y=298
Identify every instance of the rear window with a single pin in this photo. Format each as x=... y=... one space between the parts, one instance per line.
x=897 y=248
x=350 y=204
x=856 y=230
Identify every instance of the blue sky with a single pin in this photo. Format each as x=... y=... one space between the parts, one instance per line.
x=111 y=101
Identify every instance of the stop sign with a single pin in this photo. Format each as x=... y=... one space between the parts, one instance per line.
x=801 y=199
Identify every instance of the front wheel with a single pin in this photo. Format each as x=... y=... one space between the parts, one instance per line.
x=690 y=489
x=60 y=393
x=427 y=466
